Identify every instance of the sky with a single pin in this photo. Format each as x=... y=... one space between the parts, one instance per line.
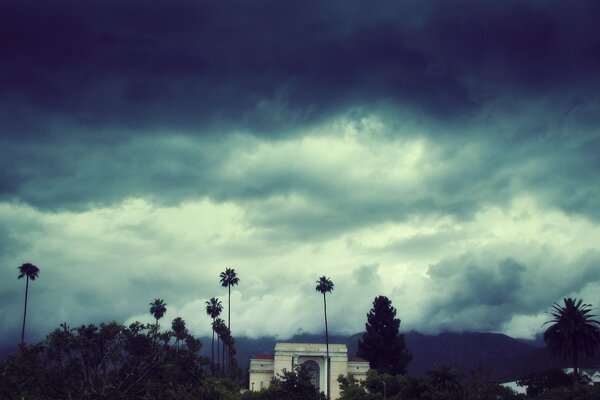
x=444 y=154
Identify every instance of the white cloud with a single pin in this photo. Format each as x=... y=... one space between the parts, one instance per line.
x=344 y=201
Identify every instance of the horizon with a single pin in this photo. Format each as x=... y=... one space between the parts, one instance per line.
x=313 y=338
x=445 y=155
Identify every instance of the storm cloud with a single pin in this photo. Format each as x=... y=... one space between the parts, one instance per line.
x=445 y=154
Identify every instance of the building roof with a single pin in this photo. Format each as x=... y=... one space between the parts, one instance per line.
x=356 y=359
x=263 y=357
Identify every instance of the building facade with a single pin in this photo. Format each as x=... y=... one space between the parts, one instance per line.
x=287 y=356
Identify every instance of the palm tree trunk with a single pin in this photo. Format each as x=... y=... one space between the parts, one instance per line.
x=575 y=363
x=212 y=352
x=219 y=354
x=228 y=325
x=327 y=370
x=25 y=312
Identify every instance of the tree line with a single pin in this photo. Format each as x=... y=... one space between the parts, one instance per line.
x=141 y=361
x=572 y=332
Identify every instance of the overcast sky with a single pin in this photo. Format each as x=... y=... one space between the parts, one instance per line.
x=445 y=154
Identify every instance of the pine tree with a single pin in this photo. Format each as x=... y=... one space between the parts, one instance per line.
x=382 y=344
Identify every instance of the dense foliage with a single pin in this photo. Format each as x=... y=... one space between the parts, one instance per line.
x=545 y=381
x=382 y=344
x=445 y=383
x=110 y=361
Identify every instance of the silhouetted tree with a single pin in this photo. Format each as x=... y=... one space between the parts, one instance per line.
x=179 y=329
x=30 y=272
x=447 y=380
x=218 y=326
x=226 y=341
x=481 y=386
x=293 y=385
x=545 y=381
x=213 y=309
x=382 y=344
x=573 y=331
x=228 y=279
x=158 y=308
x=324 y=286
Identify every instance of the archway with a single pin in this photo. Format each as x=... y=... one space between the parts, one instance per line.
x=314 y=372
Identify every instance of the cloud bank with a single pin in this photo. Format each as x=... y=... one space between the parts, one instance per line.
x=442 y=154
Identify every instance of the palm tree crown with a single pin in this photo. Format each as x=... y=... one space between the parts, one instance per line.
x=30 y=272
x=573 y=331
x=446 y=379
x=214 y=307
x=229 y=277
x=324 y=285
x=158 y=308
x=178 y=327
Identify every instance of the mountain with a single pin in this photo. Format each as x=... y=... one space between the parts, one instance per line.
x=465 y=351
x=506 y=358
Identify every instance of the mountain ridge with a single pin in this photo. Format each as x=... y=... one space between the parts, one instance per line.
x=505 y=358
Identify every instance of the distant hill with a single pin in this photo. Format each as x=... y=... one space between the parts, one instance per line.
x=465 y=351
x=505 y=357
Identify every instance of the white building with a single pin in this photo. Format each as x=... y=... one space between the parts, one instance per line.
x=287 y=356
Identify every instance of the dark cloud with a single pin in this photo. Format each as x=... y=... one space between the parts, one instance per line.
x=485 y=291
x=193 y=65
x=81 y=83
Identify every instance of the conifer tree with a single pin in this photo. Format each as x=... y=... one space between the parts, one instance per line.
x=382 y=344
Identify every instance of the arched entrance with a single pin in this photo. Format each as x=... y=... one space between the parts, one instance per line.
x=314 y=372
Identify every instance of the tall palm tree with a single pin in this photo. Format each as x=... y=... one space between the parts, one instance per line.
x=178 y=327
x=28 y=271
x=324 y=286
x=218 y=326
x=227 y=340
x=213 y=309
x=573 y=331
x=228 y=279
x=158 y=308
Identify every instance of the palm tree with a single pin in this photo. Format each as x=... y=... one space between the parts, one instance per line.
x=218 y=326
x=446 y=379
x=325 y=285
x=228 y=279
x=227 y=340
x=573 y=331
x=213 y=309
x=178 y=327
x=158 y=308
x=29 y=271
